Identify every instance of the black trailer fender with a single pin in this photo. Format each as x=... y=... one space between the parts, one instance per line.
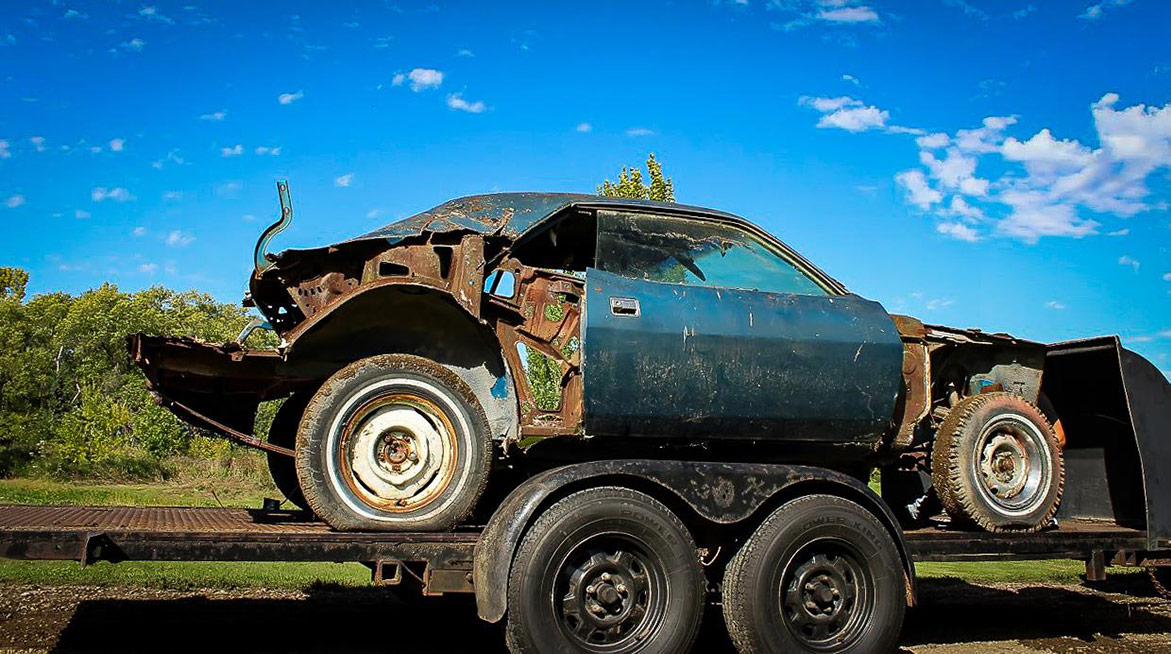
x=723 y=493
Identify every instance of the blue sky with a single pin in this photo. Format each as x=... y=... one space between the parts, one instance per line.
x=975 y=163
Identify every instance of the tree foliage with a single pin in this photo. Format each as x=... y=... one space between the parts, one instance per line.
x=71 y=401
x=630 y=184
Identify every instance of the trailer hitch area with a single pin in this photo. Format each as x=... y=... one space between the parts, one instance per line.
x=99 y=547
x=387 y=572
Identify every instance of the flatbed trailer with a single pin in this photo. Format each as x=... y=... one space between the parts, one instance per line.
x=89 y=534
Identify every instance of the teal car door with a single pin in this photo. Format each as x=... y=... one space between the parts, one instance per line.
x=701 y=328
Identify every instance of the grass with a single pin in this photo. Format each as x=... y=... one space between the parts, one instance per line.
x=185 y=575
x=249 y=490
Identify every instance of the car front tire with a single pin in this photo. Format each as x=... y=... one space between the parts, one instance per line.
x=393 y=443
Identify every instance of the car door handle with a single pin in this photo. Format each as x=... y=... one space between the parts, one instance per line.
x=624 y=306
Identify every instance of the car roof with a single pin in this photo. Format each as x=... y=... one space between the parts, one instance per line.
x=512 y=214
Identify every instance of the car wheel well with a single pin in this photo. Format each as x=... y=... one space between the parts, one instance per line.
x=435 y=327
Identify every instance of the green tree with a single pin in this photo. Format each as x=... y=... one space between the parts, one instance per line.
x=630 y=184
x=13 y=282
x=71 y=402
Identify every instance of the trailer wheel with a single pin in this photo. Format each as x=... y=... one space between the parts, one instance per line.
x=996 y=464
x=821 y=574
x=1161 y=580
x=283 y=432
x=605 y=570
x=393 y=443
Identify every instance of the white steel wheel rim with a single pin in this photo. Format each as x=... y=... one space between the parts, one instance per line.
x=1012 y=465
x=419 y=418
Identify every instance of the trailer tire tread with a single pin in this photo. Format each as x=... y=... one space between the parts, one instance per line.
x=744 y=571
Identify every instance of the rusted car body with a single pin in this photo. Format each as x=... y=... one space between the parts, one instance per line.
x=649 y=367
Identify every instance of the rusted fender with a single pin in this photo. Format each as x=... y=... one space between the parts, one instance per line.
x=723 y=493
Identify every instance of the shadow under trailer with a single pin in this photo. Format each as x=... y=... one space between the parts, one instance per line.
x=600 y=416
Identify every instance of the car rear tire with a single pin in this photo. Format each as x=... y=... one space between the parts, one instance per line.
x=605 y=570
x=393 y=443
x=821 y=574
x=996 y=464
x=283 y=432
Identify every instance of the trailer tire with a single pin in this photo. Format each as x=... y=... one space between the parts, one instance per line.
x=283 y=432
x=605 y=570
x=393 y=442
x=996 y=464
x=820 y=574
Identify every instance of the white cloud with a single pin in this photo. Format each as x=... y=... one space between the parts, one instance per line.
x=1119 y=232
x=233 y=151
x=968 y=9
x=826 y=105
x=1094 y=11
x=138 y=232
x=465 y=53
x=4 y=153
x=134 y=45
x=1048 y=185
x=1055 y=305
x=73 y=14
x=172 y=196
x=1126 y=260
x=215 y=116
x=933 y=141
x=860 y=14
x=958 y=231
x=272 y=151
x=148 y=268
x=117 y=194
x=290 y=98
x=398 y=79
x=919 y=191
x=1167 y=277
x=81 y=214
x=37 y=141
x=151 y=13
x=14 y=201
x=584 y=127
x=344 y=180
x=457 y=102
x=939 y=303
x=851 y=79
x=116 y=145
x=640 y=131
x=852 y=115
x=177 y=238
x=421 y=79
x=960 y=207
x=1043 y=155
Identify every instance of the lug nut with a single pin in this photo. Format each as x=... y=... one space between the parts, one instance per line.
x=621 y=588
x=591 y=589
x=810 y=587
x=605 y=576
x=811 y=605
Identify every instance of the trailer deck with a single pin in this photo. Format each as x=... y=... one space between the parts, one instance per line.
x=120 y=533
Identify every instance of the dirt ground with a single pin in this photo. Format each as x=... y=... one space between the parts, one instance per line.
x=954 y=617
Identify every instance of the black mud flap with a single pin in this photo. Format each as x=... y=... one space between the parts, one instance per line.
x=1115 y=408
x=214 y=387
